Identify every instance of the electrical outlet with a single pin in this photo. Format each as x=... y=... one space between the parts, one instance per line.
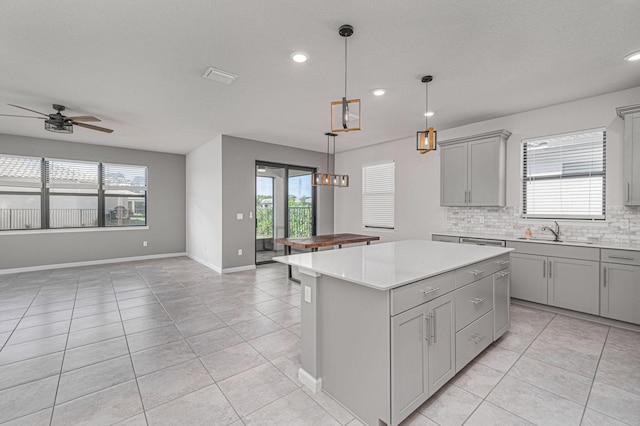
x=624 y=223
x=250 y=215
x=481 y=219
x=239 y=216
x=307 y=294
x=239 y=252
x=144 y=244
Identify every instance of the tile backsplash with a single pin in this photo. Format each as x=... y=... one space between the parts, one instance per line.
x=622 y=224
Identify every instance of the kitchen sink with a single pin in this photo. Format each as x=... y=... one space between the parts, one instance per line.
x=552 y=241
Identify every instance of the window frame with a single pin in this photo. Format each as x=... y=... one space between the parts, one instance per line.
x=45 y=194
x=365 y=194
x=524 y=162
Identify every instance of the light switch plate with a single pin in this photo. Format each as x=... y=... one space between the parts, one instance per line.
x=307 y=294
x=624 y=223
x=239 y=216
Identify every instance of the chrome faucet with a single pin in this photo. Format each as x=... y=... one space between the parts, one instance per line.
x=555 y=233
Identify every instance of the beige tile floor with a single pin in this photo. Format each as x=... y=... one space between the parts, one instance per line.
x=171 y=342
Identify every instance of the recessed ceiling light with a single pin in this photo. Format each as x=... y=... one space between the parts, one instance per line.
x=379 y=92
x=261 y=169
x=429 y=114
x=632 y=56
x=299 y=57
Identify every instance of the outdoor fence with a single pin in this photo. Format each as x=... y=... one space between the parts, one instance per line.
x=300 y=221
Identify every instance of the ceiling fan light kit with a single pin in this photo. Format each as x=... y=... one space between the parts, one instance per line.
x=426 y=140
x=59 y=123
x=345 y=114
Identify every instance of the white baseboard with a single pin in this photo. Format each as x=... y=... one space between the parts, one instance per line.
x=315 y=385
x=88 y=263
x=205 y=263
x=221 y=270
x=239 y=269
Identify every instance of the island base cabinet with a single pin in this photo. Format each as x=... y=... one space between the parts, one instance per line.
x=620 y=292
x=529 y=277
x=473 y=339
x=574 y=284
x=422 y=355
x=501 y=303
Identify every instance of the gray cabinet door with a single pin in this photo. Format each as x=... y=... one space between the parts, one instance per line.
x=631 y=165
x=501 y=303
x=453 y=175
x=620 y=292
x=409 y=361
x=529 y=277
x=574 y=284
x=441 y=343
x=486 y=180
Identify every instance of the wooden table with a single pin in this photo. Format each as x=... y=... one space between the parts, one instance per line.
x=317 y=241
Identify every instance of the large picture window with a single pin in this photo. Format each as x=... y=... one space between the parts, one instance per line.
x=378 y=195
x=564 y=176
x=47 y=193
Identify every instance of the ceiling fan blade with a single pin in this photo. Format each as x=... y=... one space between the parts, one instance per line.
x=27 y=109
x=24 y=116
x=92 y=127
x=85 y=118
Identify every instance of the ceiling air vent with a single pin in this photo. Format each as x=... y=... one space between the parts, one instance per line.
x=220 y=76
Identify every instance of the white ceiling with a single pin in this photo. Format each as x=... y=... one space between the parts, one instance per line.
x=138 y=65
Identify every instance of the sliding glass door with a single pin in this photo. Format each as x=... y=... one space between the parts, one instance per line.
x=285 y=207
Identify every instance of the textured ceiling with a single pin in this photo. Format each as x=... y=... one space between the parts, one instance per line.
x=138 y=65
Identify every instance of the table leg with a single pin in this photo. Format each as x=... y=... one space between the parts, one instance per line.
x=368 y=243
x=339 y=246
x=287 y=250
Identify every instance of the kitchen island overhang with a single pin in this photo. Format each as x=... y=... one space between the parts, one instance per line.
x=377 y=320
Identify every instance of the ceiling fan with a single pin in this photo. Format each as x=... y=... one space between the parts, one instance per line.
x=59 y=123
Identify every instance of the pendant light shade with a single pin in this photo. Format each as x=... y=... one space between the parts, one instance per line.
x=426 y=140
x=330 y=178
x=345 y=114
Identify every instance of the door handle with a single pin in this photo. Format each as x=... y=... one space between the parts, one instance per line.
x=427 y=328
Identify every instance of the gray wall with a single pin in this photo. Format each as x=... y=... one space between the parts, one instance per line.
x=238 y=193
x=165 y=208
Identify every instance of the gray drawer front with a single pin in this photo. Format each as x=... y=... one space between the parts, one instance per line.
x=414 y=294
x=473 y=339
x=445 y=238
x=479 y=270
x=473 y=301
x=556 y=250
x=625 y=257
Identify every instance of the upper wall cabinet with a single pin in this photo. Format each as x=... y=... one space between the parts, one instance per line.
x=631 y=164
x=473 y=170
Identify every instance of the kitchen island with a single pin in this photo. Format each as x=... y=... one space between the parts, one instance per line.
x=384 y=326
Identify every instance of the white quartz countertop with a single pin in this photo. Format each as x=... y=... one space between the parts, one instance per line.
x=603 y=245
x=389 y=265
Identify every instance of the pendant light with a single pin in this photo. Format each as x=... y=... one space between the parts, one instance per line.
x=345 y=114
x=330 y=178
x=427 y=139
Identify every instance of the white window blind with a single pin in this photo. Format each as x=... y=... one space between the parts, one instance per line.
x=20 y=171
x=123 y=177
x=564 y=176
x=378 y=195
x=71 y=174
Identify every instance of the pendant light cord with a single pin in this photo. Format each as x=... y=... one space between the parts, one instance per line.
x=345 y=68
x=328 y=154
x=333 y=169
x=426 y=106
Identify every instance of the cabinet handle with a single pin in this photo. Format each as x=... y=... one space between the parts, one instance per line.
x=621 y=258
x=504 y=274
x=628 y=191
x=503 y=262
x=469 y=196
x=544 y=269
x=476 y=300
x=605 y=277
x=429 y=290
x=465 y=197
x=476 y=272
x=433 y=326
x=550 y=270
x=427 y=331
x=476 y=338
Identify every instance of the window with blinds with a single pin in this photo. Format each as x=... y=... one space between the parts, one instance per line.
x=77 y=176
x=20 y=192
x=125 y=194
x=564 y=176
x=378 y=195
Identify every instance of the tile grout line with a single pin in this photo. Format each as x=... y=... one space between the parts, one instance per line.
x=66 y=343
